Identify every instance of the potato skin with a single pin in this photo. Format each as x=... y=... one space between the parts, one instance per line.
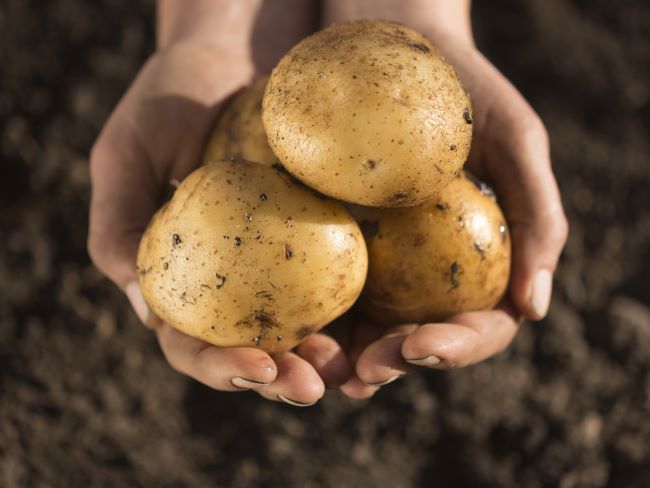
x=368 y=112
x=239 y=132
x=426 y=263
x=244 y=255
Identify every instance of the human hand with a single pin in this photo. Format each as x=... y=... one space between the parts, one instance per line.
x=510 y=151
x=154 y=136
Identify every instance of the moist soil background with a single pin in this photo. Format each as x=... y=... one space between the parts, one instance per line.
x=88 y=400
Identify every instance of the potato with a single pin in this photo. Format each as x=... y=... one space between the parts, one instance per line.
x=450 y=255
x=244 y=255
x=239 y=132
x=368 y=112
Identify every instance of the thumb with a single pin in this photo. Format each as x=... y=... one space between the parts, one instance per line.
x=522 y=174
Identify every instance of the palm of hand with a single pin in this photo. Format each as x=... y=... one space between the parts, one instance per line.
x=510 y=151
x=156 y=135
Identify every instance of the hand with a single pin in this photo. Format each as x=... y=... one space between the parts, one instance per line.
x=510 y=150
x=156 y=135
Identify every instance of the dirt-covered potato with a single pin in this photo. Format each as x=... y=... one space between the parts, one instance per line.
x=368 y=112
x=450 y=255
x=244 y=255
x=239 y=132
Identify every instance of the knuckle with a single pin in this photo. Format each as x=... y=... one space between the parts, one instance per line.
x=508 y=330
x=537 y=131
x=537 y=127
x=562 y=229
x=531 y=128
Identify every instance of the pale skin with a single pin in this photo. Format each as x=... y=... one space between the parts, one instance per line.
x=207 y=49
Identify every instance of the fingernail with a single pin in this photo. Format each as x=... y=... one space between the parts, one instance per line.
x=140 y=307
x=541 y=295
x=245 y=384
x=389 y=380
x=427 y=361
x=294 y=402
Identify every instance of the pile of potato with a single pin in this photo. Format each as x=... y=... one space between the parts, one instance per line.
x=254 y=249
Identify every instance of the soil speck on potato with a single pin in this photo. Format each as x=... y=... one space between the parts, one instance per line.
x=237 y=241
x=288 y=251
x=453 y=275
x=303 y=332
x=265 y=295
x=468 y=116
x=419 y=240
x=369 y=164
x=221 y=280
x=419 y=47
x=478 y=247
x=144 y=272
x=176 y=240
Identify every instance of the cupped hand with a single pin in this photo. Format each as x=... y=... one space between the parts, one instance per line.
x=510 y=150
x=154 y=136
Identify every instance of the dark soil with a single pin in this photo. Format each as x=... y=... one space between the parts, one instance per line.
x=88 y=400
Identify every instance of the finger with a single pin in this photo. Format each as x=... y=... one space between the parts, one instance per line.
x=382 y=361
x=297 y=382
x=519 y=166
x=363 y=334
x=357 y=389
x=466 y=339
x=327 y=358
x=225 y=369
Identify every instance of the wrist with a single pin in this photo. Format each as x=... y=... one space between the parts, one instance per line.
x=440 y=20
x=218 y=23
x=252 y=32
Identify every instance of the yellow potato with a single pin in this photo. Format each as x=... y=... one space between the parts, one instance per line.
x=244 y=255
x=368 y=112
x=239 y=132
x=450 y=255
